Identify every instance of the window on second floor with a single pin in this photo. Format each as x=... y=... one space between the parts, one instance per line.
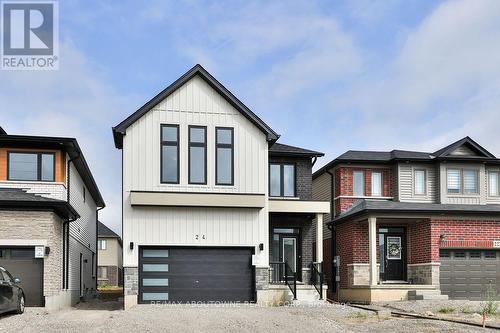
x=358 y=183
x=31 y=166
x=197 y=155
x=224 y=156
x=494 y=183
x=419 y=187
x=169 y=154
x=377 y=184
x=282 y=180
x=101 y=244
x=462 y=181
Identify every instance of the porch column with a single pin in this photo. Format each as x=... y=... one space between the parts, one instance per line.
x=372 y=249
x=319 y=238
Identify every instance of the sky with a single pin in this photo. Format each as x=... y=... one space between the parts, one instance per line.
x=326 y=75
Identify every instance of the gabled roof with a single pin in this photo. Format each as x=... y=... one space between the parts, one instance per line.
x=365 y=206
x=104 y=231
x=19 y=199
x=360 y=156
x=120 y=129
x=279 y=149
x=70 y=145
x=468 y=142
x=2 y=131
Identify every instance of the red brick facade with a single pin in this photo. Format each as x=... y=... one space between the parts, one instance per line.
x=344 y=185
x=423 y=239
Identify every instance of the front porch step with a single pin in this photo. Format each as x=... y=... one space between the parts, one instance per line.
x=415 y=295
x=306 y=294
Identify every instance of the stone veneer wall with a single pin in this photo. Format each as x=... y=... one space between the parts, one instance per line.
x=424 y=273
x=131 y=281
x=261 y=278
x=38 y=225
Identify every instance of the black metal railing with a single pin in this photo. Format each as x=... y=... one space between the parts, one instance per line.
x=281 y=273
x=317 y=278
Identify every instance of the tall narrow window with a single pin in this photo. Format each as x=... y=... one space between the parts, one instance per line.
x=170 y=154
x=494 y=183
x=31 y=166
x=454 y=180
x=197 y=155
x=281 y=180
x=471 y=182
x=419 y=182
x=376 y=184
x=224 y=156
x=358 y=183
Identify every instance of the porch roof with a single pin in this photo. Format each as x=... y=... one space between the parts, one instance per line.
x=367 y=206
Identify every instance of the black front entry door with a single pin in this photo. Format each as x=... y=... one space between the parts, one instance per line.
x=394 y=256
x=290 y=252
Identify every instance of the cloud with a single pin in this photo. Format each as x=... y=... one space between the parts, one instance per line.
x=76 y=101
x=442 y=84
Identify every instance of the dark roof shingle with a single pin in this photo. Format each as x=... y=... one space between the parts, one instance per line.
x=104 y=231
x=282 y=149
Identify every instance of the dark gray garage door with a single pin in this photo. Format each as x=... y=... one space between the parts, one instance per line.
x=21 y=263
x=466 y=274
x=176 y=274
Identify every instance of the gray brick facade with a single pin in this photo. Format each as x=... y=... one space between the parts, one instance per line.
x=303 y=177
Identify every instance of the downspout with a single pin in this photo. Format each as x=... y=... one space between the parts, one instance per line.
x=96 y=246
x=315 y=158
x=334 y=235
x=66 y=256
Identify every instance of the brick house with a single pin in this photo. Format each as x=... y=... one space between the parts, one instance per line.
x=49 y=203
x=412 y=224
x=109 y=259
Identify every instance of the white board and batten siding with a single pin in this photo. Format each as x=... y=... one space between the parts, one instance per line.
x=406 y=183
x=82 y=234
x=194 y=103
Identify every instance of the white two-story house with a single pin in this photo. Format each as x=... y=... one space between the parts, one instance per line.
x=213 y=208
x=49 y=203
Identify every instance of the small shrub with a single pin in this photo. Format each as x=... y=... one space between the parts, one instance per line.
x=446 y=309
x=490 y=305
x=466 y=310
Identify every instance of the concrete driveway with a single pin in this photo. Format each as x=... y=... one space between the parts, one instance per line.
x=99 y=316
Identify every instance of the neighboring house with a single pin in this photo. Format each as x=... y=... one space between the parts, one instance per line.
x=212 y=206
x=109 y=257
x=48 y=218
x=412 y=224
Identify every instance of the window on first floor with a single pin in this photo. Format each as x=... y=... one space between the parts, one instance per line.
x=31 y=166
x=101 y=244
x=377 y=184
x=358 y=183
x=282 y=180
x=102 y=272
x=494 y=183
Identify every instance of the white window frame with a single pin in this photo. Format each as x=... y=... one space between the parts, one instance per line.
x=362 y=183
x=497 y=173
x=415 y=171
x=461 y=190
x=100 y=244
x=380 y=188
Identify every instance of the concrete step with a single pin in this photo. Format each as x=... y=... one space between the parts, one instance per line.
x=435 y=294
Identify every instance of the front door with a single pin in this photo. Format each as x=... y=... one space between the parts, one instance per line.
x=289 y=252
x=393 y=253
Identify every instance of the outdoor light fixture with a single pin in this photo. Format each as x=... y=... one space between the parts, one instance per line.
x=47 y=250
x=261 y=246
x=442 y=237
x=131 y=245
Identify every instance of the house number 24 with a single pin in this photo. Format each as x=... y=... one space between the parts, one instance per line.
x=197 y=237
